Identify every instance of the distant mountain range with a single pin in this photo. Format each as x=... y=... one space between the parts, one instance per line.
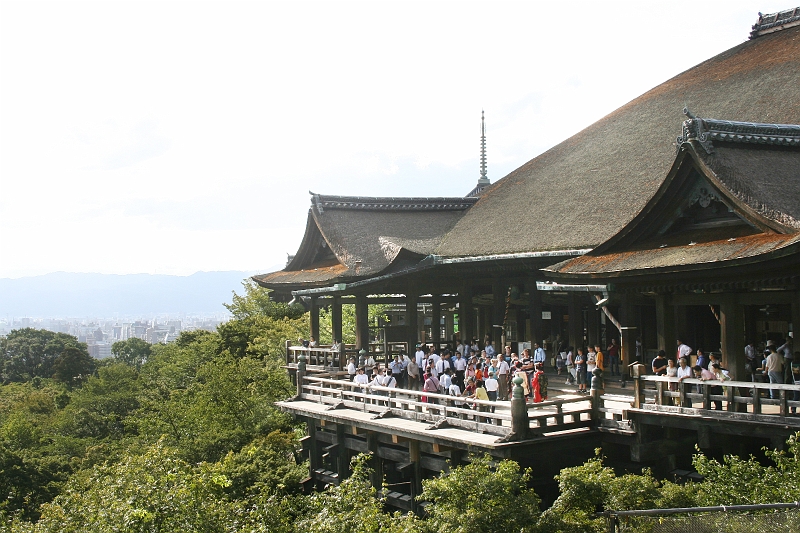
x=65 y=294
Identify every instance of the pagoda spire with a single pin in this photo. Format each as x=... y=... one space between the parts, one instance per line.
x=483 y=180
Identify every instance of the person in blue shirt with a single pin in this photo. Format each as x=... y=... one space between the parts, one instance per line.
x=538 y=354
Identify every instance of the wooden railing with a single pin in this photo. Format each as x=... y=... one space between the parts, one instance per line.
x=325 y=356
x=440 y=409
x=737 y=396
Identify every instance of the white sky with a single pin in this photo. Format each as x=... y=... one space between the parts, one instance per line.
x=173 y=137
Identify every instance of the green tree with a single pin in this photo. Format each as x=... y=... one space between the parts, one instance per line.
x=29 y=353
x=73 y=366
x=481 y=496
x=133 y=352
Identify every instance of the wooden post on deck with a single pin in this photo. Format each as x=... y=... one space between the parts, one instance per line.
x=336 y=326
x=520 y=423
x=665 y=324
x=535 y=311
x=466 y=319
x=637 y=371
x=314 y=315
x=362 y=323
x=412 y=323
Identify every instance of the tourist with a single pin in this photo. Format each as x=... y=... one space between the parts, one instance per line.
x=431 y=386
x=539 y=384
x=702 y=359
x=480 y=393
x=506 y=353
x=361 y=378
x=397 y=368
x=613 y=358
x=412 y=370
x=312 y=342
x=539 y=355
x=503 y=370
x=455 y=391
x=445 y=381
x=786 y=351
x=492 y=387
x=672 y=372
x=351 y=367
x=717 y=370
x=570 y=365
x=684 y=371
x=660 y=364
x=773 y=365
x=369 y=365
x=561 y=361
x=460 y=367
x=580 y=370
x=591 y=361
x=703 y=374
x=683 y=350
x=599 y=361
x=489 y=349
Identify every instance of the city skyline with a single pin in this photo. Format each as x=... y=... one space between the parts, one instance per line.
x=187 y=141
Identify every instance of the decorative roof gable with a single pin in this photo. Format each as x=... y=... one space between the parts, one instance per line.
x=775 y=22
x=706 y=130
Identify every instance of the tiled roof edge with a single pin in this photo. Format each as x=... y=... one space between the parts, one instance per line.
x=705 y=130
x=366 y=203
x=775 y=22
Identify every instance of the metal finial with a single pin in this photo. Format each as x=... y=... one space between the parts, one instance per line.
x=483 y=180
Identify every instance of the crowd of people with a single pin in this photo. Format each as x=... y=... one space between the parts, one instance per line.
x=466 y=372
x=776 y=364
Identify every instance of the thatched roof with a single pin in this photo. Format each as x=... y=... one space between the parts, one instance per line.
x=584 y=190
x=350 y=238
x=751 y=171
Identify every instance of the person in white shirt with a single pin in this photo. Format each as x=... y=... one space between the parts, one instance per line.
x=455 y=390
x=442 y=365
x=419 y=355
x=492 y=386
x=684 y=371
x=351 y=367
x=361 y=378
x=490 y=349
x=369 y=365
x=683 y=350
x=446 y=381
x=502 y=378
x=460 y=366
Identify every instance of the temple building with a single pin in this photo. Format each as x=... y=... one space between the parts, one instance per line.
x=677 y=216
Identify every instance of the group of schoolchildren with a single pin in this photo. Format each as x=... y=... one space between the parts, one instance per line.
x=462 y=373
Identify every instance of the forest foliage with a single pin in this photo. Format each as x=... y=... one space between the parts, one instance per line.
x=186 y=437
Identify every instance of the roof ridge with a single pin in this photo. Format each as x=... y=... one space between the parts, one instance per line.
x=705 y=130
x=775 y=22
x=407 y=203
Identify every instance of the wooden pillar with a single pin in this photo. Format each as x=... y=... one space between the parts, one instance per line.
x=535 y=312
x=412 y=322
x=499 y=294
x=795 y=320
x=375 y=461
x=593 y=326
x=466 y=313
x=416 y=473
x=362 y=323
x=436 y=317
x=314 y=314
x=575 y=312
x=627 y=340
x=731 y=322
x=342 y=454
x=665 y=325
x=312 y=445
x=336 y=327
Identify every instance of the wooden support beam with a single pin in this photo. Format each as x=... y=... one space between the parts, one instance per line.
x=535 y=311
x=314 y=314
x=436 y=316
x=336 y=327
x=665 y=324
x=376 y=461
x=396 y=439
x=412 y=323
x=416 y=474
x=466 y=312
x=499 y=293
x=362 y=323
x=342 y=455
x=732 y=336
x=575 y=311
